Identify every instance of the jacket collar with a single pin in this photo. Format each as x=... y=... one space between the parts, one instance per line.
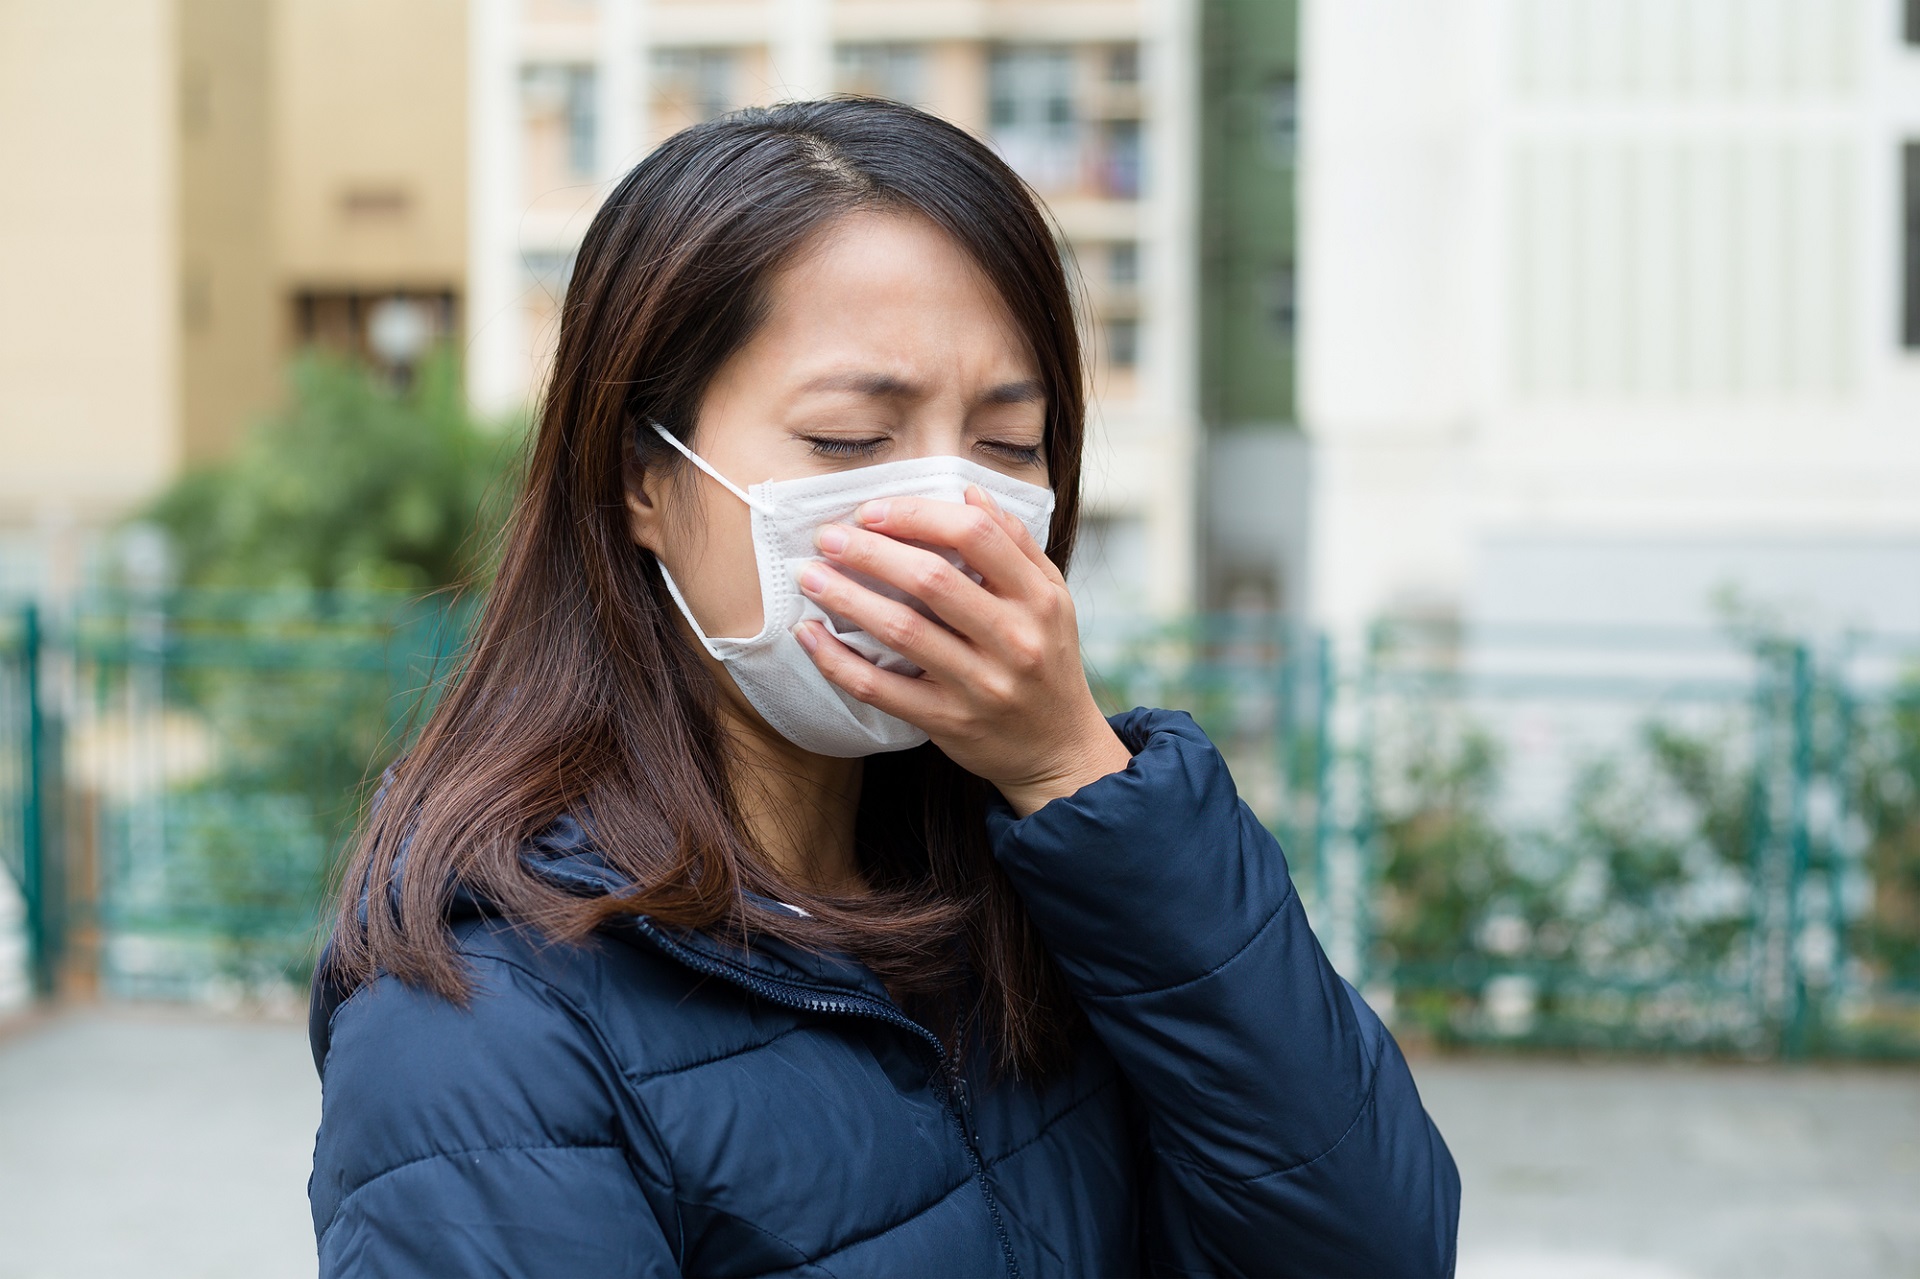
x=565 y=855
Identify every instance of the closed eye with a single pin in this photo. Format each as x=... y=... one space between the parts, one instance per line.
x=833 y=446
x=1019 y=454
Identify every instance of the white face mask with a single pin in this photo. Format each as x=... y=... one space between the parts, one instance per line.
x=771 y=669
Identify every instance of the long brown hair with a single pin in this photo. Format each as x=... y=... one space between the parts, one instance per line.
x=579 y=694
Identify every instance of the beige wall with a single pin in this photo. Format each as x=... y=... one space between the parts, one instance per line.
x=176 y=171
x=231 y=336
x=371 y=124
x=89 y=386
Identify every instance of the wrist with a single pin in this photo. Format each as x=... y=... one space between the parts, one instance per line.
x=1100 y=753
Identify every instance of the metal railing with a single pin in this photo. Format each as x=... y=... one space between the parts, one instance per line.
x=1638 y=840
x=201 y=760
x=1582 y=838
x=29 y=889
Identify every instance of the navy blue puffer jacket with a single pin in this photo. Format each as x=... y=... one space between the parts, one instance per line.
x=655 y=1103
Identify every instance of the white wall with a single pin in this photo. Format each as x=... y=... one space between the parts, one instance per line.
x=1387 y=363
x=1613 y=273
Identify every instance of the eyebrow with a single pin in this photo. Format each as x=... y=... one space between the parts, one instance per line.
x=887 y=386
x=1027 y=391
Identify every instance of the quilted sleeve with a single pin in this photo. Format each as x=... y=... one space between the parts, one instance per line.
x=486 y=1140
x=1283 y=1132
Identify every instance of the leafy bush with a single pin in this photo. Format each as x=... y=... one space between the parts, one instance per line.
x=354 y=485
x=300 y=640
x=1886 y=795
x=1600 y=916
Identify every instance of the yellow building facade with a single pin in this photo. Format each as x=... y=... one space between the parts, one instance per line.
x=198 y=188
x=193 y=190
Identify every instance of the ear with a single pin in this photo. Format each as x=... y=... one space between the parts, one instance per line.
x=644 y=487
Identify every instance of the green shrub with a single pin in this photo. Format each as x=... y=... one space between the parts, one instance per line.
x=310 y=615
x=353 y=485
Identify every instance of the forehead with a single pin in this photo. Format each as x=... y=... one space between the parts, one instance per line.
x=891 y=287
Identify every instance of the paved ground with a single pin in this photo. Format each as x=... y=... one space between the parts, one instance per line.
x=165 y=1146
x=141 y=1143
x=1681 y=1171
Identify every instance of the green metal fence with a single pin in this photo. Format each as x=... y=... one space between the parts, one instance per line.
x=1614 y=839
x=29 y=926
x=1619 y=839
x=217 y=746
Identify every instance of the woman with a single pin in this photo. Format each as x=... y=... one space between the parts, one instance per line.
x=862 y=944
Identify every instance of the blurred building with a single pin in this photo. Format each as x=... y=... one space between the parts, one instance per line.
x=1254 y=494
x=199 y=188
x=1095 y=102
x=194 y=189
x=1610 y=309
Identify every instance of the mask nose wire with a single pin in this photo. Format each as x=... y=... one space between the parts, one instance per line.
x=704 y=465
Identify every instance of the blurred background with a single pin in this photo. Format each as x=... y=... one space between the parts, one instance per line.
x=1505 y=438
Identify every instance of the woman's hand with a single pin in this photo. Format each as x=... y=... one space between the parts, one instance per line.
x=1003 y=692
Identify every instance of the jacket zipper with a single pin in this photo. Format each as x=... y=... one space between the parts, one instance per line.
x=816 y=1000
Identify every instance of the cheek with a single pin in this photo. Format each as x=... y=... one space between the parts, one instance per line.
x=711 y=559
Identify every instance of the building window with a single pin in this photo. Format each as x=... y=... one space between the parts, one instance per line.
x=1032 y=115
x=1123 y=342
x=693 y=85
x=1279 y=303
x=1280 y=119
x=389 y=327
x=583 y=120
x=196 y=298
x=1910 y=267
x=895 y=71
x=375 y=201
x=568 y=93
x=1123 y=64
x=1120 y=160
x=1123 y=264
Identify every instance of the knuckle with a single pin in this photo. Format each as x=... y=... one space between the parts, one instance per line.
x=1028 y=653
x=998 y=688
x=900 y=628
x=932 y=578
x=977 y=527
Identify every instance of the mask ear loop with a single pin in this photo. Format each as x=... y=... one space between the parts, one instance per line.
x=704 y=465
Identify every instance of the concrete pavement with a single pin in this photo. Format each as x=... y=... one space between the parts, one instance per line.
x=155 y=1144
x=1673 y=1170
x=176 y=1146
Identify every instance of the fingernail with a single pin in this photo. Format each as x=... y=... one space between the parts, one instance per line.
x=831 y=538
x=804 y=633
x=813 y=578
x=873 y=512
x=983 y=497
